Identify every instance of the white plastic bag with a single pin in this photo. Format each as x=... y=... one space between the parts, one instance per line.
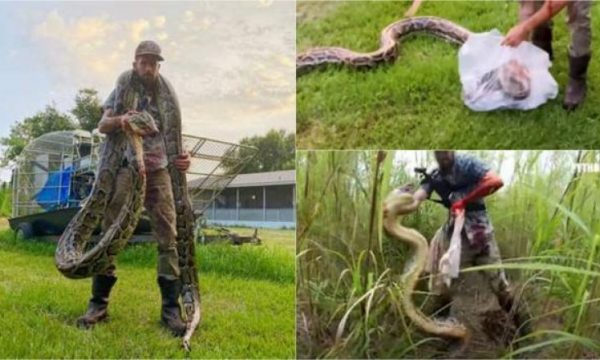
x=502 y=77
x=450 y=262
x=443 y=261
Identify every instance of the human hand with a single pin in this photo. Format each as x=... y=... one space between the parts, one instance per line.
x=183 y=162
x=515 y=36
x=124 y=120
x=458 y=207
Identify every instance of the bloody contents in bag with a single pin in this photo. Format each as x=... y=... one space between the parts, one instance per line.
x=515 y=80
x=512 y=79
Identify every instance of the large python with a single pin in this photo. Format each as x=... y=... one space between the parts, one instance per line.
x=77 y=257
x=398 y=203
x=511 y=78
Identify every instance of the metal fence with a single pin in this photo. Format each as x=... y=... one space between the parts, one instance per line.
x=214 y=165
x=57 y=170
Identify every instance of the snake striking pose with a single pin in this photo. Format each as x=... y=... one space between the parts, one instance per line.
x=511 y=79
x=76 y=257
x=398 y=203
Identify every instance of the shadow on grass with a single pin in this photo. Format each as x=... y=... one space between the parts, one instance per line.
x=249 y=262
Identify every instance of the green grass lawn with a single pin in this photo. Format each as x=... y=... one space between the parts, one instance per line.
x=416 y=102
x=248 y=297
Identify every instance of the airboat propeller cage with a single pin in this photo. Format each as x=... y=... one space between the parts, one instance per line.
x=51 y=172
x=55 y=172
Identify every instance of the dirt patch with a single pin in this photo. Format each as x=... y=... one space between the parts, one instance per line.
x=3 y=223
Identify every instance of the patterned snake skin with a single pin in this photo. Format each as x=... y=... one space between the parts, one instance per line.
x=77 y=258
x=399 y=203
x=511 y=78
x=388 y=44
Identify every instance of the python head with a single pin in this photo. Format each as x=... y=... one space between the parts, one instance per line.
x=515 y=80
x=142 y=124
x=399 y=201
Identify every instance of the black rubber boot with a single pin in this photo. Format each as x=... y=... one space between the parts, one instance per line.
x=98 y=306
x=542 y=38
x=170 y=316
x=577 y=86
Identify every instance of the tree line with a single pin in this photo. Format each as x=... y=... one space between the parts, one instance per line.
x=276 y=148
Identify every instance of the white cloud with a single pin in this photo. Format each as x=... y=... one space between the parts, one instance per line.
x=138 y=28
x=159 y=22
x=162 y=36
x=188 y=16
x=265 y=3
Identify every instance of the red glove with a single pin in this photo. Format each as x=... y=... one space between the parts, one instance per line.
x=487 y=185
x=458 y=207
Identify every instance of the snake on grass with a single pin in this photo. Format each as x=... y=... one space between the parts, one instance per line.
x=511 y=78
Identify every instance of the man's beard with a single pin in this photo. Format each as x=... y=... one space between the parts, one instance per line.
x=149 y=82
x=445 y=169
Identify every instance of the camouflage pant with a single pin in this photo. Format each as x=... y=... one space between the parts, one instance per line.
x=489 y=254
x=578 y=20
x=161 y=208
x=481 y=253
x=486 y=253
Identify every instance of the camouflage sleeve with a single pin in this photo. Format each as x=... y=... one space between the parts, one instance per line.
x=474 y=169
x=110 y=101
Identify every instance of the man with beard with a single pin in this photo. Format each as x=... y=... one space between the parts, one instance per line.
x=159 y=201
x=462 y=182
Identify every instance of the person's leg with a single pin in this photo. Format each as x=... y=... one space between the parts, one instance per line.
x=513 y=305
x=439 y=302
x=490 y=255
x=542 y=35
x=161 y=207
x=102 y=283
x=578 y=19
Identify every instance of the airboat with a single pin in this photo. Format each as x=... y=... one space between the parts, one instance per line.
x=55 y=173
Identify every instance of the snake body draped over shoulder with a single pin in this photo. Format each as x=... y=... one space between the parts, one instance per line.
x=76 y=257
x=400 y=203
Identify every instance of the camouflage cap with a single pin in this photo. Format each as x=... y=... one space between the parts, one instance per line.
x=148 y=47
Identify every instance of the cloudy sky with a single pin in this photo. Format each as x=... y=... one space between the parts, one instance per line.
x=231 y=62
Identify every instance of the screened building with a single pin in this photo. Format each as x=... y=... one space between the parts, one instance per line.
x=265 y=200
